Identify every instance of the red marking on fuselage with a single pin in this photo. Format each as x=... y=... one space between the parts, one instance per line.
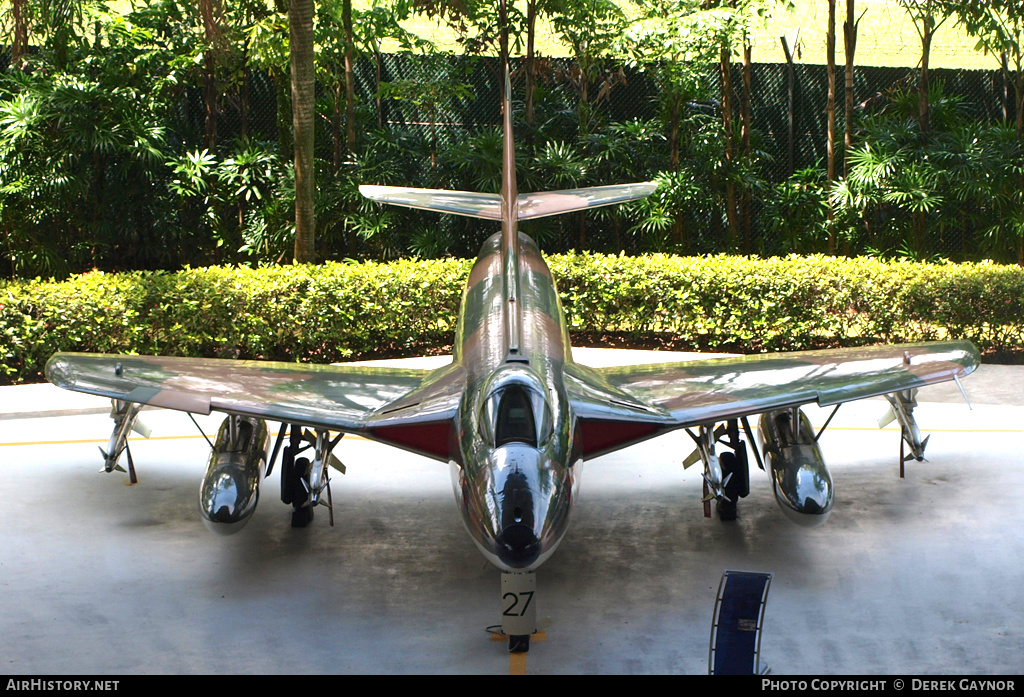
x=431 y=438
x=599 y=436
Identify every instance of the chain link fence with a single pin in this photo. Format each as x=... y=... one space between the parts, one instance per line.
x=787 y=108
x=443 y=100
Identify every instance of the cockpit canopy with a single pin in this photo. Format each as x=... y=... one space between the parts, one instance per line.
x=515 y=408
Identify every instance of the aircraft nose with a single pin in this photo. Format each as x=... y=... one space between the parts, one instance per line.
x=518 y=545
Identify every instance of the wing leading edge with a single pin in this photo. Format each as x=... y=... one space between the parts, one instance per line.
x=410 y=408
x=622 y=405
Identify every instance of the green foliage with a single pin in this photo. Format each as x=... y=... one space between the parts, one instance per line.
x=337 y=311
x=78 y=158
x=750 y=304
x=796 y=212
x=908 y=192
x=687 y=212
x=114 y=154
x=234 y=201
x=313 y=313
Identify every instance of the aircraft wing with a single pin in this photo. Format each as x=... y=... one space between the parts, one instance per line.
x=624 y=404
x=410 y=408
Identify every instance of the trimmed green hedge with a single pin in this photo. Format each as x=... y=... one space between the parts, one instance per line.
x=749 y=304
x=346 y=311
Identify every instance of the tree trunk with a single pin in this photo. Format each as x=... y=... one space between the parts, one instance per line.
x=378 y=60
x=1018 y=86
x=210 y=97
x=745 y=126
x=850 y=46
x=283 y=101
x=830 y=114
x=246 y=98
x=850 y=50
x=300 y=16
x=283 y=117
x=730 y=155
x=924 y=120
x=583 y=110
x=211 y=13
x=20 y=44
x=791 y=114
x=336 y=129
x=675 y=115
x=350 y=85
x=531 y=67
x=1019 y=94
x=923 y=108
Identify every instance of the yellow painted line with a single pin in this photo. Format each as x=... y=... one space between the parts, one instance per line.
x=105 y=440
x=132 y=440
x=354 y=437
x=926 y=430
x=517 y=663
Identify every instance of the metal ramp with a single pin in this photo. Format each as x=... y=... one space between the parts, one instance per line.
x=736 y=625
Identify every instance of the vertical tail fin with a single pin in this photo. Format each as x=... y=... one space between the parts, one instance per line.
x=509 y=187
x=509 y=218
x=509 y=206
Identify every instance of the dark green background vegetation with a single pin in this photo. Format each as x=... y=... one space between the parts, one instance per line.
x=145 y=142
x=155 y=139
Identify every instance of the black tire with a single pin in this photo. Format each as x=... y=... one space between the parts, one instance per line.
x=727 y=509
x=302 y=515
x=518 y=643
x=739 y=485
x=287 y=467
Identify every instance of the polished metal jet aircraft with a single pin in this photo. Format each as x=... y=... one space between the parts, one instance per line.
x=513 y=415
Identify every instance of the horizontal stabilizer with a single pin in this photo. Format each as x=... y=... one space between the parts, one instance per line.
x=466 y=203
x=554 y=202
x=488 y=206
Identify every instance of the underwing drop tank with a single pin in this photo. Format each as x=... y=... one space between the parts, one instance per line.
x=800 y=479
x=237 y=463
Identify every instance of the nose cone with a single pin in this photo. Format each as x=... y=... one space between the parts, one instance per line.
x=516 y=506
x=518 y=545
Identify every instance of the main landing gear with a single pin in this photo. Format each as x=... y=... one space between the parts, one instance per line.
x=305 y=482
x=726 y=476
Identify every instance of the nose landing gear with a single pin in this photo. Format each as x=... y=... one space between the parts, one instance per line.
x=518 y=609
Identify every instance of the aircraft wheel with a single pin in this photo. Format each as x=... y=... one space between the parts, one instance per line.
x=730 y=464
x=727 y=510
x=301 y=517
x=287 y=467
x=303 y=514
x=518 y=643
